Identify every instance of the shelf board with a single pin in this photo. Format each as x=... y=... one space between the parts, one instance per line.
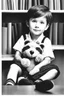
x=15 y=11
x=25 y=11
x=57 y=11
x=58 y=47
x=7 y=57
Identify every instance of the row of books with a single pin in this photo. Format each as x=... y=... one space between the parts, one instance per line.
x=26 y=4
x=11 y=32
x=57 y=33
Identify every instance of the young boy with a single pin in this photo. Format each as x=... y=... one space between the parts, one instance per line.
x=38 y=21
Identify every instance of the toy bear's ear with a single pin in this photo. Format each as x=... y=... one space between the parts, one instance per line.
x=26 y=42
x=42 y=46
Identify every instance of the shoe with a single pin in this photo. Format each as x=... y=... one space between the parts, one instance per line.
x=24 y=81
x=44 y=86
x=10 y=82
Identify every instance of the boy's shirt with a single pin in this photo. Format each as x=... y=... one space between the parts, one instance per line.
x=47 y=52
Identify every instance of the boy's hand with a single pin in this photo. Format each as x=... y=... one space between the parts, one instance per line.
x=25 y=62
x=34 y=71
x=39 y=58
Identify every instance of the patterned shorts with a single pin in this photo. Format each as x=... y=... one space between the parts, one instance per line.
x=43 y=70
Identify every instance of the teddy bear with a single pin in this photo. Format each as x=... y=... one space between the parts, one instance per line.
x=31 y=54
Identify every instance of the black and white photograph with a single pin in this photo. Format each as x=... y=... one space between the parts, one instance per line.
x=32 y=47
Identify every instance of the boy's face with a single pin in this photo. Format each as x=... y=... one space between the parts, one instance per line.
x=38 y=25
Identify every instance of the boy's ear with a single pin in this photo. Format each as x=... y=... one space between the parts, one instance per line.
x=47 y=27
x=27 y=23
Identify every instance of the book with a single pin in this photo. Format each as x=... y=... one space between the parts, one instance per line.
x=15 y=31
x=4 y=5
x=26 y=4
x=13 y=35
x=4 y=39
x=57 y=4
x=13 y=39
x=46 y=3
x=9 y=37
x=19 y=29
x=21 y=4
x=60 y=33
x=9 y=3
x=29 y=3
x=55 y=33
x=62 y=4
x=42 y=2
x=63 y=33
x=38 y=2
x=50 y=34
x=51 y=4
x=15 y=4
x=12 y=4
x=35 y=2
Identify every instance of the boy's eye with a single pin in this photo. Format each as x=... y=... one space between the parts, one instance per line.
x=42 y=22
x=34 y=21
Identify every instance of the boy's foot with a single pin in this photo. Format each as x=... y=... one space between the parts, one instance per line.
x=10 y=82
x=24 y=81
x=44 y=86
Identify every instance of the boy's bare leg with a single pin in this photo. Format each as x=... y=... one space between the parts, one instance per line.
x=49 y=75
x=13 y=72
x=44 y=83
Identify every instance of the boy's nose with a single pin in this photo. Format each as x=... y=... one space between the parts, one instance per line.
x=31 y=52
x=36 y=26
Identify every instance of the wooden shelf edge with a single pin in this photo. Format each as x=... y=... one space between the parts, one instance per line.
x=7 y=57
x=25 y=11
x=58 y=47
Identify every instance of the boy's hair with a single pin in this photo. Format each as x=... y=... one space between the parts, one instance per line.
x=38 y=11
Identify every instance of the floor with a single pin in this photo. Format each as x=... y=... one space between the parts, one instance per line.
x=30 y=90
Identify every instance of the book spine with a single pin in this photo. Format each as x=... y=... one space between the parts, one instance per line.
x=38 y=2
x=35 y=2
x=4 y=5
x=62 y=4
x=4 y=39
x=55 y=33
x=51 y=5
x=50 y=35
x=23 y=7
x=9 y=37
x=15 y=4
x=20 y=4
x=60 y=33
x=46 y=3
x=29 y=4
x=57 y=4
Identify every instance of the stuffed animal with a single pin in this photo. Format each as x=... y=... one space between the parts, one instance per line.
x=31 y=54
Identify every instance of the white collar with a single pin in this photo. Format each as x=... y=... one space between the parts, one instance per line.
x=40 y=38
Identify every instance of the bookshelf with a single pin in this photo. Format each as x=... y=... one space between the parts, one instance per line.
x=15 y=12
x=11 y=16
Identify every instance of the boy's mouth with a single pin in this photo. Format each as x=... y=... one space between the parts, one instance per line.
x=36 y=30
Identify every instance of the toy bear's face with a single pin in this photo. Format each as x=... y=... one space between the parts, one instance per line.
x=32 y=49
